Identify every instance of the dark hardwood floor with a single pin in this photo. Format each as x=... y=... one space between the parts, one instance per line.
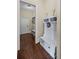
x=30 y=50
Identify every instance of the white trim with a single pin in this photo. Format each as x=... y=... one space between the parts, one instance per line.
x=18 y=25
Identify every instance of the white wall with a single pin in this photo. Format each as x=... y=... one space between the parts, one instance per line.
x=50 y=6
x=26 y=20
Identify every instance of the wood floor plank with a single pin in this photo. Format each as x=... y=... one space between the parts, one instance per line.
x=30 y=50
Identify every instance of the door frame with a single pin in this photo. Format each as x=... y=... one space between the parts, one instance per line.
x=18 y=22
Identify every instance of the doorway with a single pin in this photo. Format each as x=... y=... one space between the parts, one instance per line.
x=27 y=18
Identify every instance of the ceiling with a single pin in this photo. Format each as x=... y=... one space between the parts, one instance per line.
x=27 y=6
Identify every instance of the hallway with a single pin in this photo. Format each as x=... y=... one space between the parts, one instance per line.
x=29 y=50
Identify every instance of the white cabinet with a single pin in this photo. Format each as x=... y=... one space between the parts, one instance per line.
x=33 y=26
x=47 y=41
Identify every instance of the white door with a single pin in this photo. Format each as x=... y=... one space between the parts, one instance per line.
x=24 y=25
